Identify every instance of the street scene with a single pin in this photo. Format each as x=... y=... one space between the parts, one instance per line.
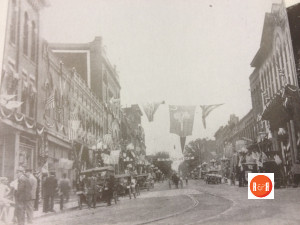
x=149 y=112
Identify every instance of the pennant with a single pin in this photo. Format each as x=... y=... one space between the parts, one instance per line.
x=182 y=143
x=206 y=110
x=182 y=120
x=150 y=109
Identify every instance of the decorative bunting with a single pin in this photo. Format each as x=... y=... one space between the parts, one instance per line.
x=12 y=104
x=150 y=109
x=206 y=110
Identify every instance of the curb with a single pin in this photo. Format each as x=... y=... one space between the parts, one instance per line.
x=55 y=213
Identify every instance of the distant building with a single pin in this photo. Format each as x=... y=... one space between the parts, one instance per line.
x=133 y=138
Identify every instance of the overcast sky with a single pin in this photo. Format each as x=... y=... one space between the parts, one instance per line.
x=186 y=52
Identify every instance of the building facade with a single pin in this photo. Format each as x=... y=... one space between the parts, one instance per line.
x=18 y=125
x=275 y=91
x=60 y=104
x=101 y=77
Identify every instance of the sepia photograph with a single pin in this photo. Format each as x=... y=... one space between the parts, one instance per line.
x=163 y=112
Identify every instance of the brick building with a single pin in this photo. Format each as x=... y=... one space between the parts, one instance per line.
x=18 y=142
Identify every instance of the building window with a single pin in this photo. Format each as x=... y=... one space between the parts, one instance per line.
x=33 y=42
x=25 y=35
x=13 y=22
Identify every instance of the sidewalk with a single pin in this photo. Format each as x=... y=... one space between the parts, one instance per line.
x=73 y=203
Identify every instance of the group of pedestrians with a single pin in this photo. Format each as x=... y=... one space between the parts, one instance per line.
x=25 y=188
x=24 y=195
x=51 y=186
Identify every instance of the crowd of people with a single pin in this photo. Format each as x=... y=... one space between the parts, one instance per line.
x=23 y=194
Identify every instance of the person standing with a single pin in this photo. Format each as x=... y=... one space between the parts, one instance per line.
x=37 y=193
x=49 y=191
x=64 y=187
x=22 y=195
x=110 y=191
x=92 y=191
x=29 y=204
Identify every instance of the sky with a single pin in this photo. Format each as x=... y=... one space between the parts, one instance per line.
x=185 y=52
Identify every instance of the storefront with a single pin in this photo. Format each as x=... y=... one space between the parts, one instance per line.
x=283 y=115
x=59 y=157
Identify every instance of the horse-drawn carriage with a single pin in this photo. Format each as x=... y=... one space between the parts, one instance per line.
x=93 y=187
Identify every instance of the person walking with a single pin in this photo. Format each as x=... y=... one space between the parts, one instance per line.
x=64 y=187
x=49 y=191
x=29 y=204
x=22 y=195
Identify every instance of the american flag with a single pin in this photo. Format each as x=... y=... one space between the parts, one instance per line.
x=206 y=110
x=50 y=103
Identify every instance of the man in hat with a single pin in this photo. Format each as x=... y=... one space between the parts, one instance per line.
x=64 y=186
x=29 y=204
x=22 y=195
x=50 y=187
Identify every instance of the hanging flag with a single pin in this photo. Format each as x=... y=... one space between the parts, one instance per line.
x=150 y=109
x=73 y=125
x=206 y=110
x=182 y=143
x=50 y=103
x=181 y=120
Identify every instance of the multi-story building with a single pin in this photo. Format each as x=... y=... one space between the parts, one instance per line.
x=18 y=125
x=101 y=77
x=56 y=103
x=70 y=112
x=274 y=87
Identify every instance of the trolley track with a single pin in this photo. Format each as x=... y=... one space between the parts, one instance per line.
x=195 y=204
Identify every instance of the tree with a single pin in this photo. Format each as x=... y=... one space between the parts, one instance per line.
x=162 y=161
x=199 y=151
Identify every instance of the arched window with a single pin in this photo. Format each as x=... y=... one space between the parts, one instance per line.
x=13 y=22
x=33 y=41
x=25 y=35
